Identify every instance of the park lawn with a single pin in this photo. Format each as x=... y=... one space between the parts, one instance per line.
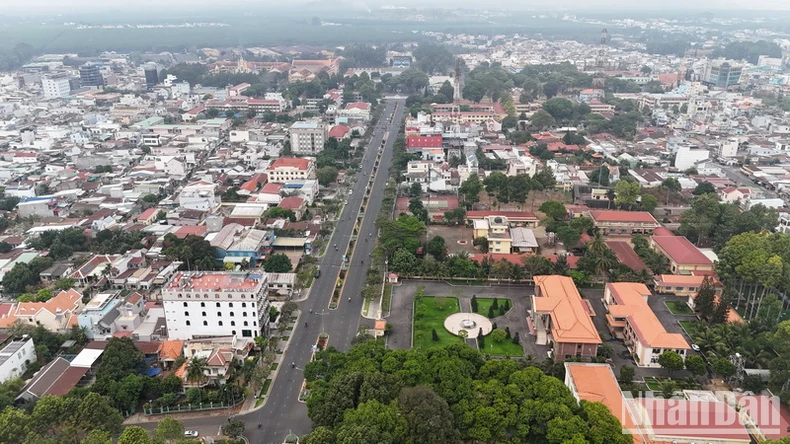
x=430 y=313
x=504 y=348
x=484 y=303
x=691 y=327
x=679 y=308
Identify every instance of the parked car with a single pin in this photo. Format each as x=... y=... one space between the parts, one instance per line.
x=191 y=434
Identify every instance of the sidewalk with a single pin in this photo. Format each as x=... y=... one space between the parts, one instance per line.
x=249 y=403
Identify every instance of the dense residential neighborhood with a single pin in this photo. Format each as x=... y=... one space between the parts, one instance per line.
x=442 y=237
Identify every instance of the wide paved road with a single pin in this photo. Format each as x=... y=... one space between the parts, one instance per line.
x=283 y=413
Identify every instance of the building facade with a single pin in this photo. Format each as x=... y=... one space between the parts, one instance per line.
x=15 y=358
x=308 y=137
x=56 y=86
x=722 y=73
x=211 y=304
x=90 y=75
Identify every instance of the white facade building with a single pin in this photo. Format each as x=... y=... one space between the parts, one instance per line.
x=15 y=357
x=308 y=137
x=729 y=148
x=687 y=157
x=56 y=86
x=199 y=196
x=209 y=304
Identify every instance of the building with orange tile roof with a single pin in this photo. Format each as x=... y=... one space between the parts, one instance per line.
x=561 y=317
x=55 y=314
x=631 y=319
x=597 y=383
x=624 y=223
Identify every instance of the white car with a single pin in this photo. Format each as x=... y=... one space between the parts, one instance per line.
x=695 y=347
x=191 y=434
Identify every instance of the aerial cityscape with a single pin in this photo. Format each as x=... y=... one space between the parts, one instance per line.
x=336 y=222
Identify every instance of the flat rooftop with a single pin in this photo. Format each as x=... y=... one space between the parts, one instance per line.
x=211 y=281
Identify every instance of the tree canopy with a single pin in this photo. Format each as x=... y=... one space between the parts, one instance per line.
x=445 y=395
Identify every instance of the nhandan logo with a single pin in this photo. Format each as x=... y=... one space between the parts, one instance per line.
x=714 y=414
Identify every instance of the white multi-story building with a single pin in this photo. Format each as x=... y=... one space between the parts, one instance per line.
x=56 y=85
x=286 y=169
x=209 y=304
x=308 y=137
x=15 y=357
x=688 y=156
x=199 y=196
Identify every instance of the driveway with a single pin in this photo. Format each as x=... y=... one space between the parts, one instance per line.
x=621 y=354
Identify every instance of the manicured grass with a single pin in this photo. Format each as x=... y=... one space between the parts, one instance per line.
x=691 y=327
x=654 y=383
x=483 y=305
x=385 y=301
x=430 y=313
x=504 y=348
x=679 y=308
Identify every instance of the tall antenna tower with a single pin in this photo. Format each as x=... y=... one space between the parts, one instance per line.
x=601 y=61
x=457 y=83
x=457 y=87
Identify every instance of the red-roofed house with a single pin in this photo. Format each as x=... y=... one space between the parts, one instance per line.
x=732 y=194
x=285 y=169
x=148 y=216
x=252 y=185
x=418 y=143
x=684 y=257
x=295 y=204
x=624 y=223
x=340 y=132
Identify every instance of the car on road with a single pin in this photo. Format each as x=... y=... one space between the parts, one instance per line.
x=191 y=434
x=317 y=273
x=695 y=347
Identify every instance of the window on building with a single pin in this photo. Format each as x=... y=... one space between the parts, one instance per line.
x=233 y=332
x=230 y=304
x=186 y=313
x=202 y=304
x=231 y=314
x=232 y=323
x=205 y=296
x=188 y=323
x=205 y=323
x=216 y=295
x=219 y=314
x=185 y=304
x=246 y=323
x=218 y=305
x=204 y=313
x=219 y=323
x=244 y=314
x=243 y=304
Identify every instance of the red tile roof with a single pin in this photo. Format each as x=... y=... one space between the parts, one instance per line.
x=339 y=131
x=573 y=261
x=681 y=251
x=424 y=141
x=622 y=216
x=196 y=230
x=291 y=203
x=626 y=255
x=272 y=188
x=290 y=162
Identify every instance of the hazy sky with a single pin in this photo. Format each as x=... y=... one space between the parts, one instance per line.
x=65 y=6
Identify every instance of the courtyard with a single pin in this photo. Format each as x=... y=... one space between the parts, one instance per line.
x=442 y=300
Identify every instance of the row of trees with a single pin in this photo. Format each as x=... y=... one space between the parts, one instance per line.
x=712 y=223
x=445 y=395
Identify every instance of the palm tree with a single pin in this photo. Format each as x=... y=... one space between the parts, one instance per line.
x=667 y=388
x=196 y=369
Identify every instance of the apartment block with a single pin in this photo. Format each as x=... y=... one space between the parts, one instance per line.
x=308 y=137
x=211 y=304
